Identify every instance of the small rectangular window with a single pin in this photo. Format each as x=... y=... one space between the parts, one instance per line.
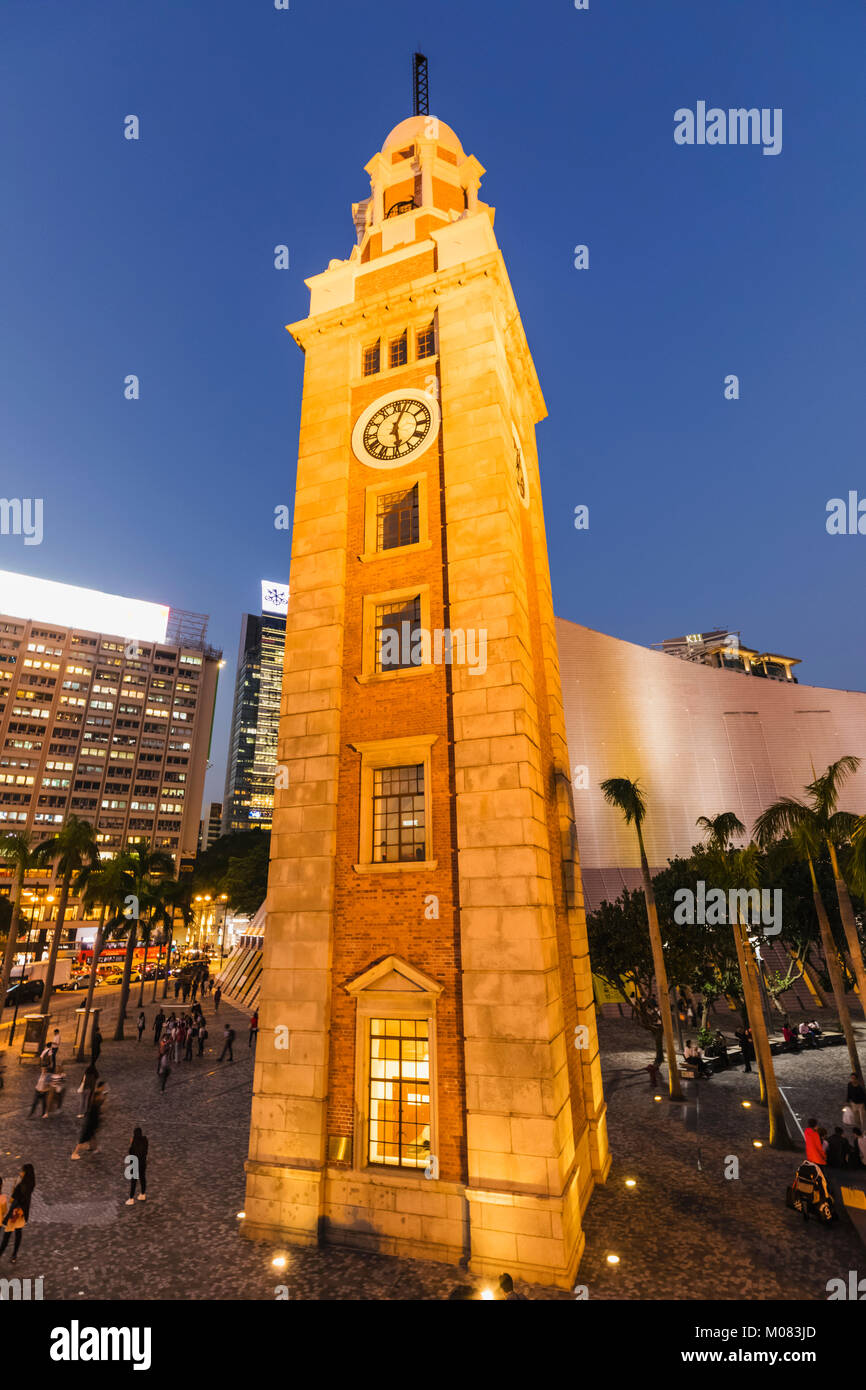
x=399 y=831
x=399 y=1101
x=399 y=351
x=427 y=342
x=370 y=364
x=395 y=628
x=397 y=519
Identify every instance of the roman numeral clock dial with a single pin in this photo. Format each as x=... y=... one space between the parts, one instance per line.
x=396 y=427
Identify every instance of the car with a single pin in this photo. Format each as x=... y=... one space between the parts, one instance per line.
x=24 y=991
x=115 y=978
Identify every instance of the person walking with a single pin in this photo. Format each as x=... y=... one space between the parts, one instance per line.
x=254 y=1027
x=177 y=988
x=814 y=1144
x=40 y=1095
x=138 y=1150
x=56 y=1091
x=92 y=1121
x=142 y=1024
x=217 y=996
x=857 y=1099
x=163 y=1068
x=157 y=1026
x=191 y=1030
x=18 y=1211
x=86 y=1089
x=743 y=1036
x=55 y=1048
x=228 y=1039
x=202 y=1034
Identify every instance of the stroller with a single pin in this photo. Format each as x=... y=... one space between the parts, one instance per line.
x=810 y=1195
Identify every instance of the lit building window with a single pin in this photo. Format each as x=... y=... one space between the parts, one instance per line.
x=399 y=1101
x=396 y=624
x=426 y=342
x=397 y=519
x=398 y=354
x=370 y=360
x=399 y=829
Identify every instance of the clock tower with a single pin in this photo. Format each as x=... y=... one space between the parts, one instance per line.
x=427 y=1080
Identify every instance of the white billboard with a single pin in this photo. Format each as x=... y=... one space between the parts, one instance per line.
x=275 y=598
x=46 y=601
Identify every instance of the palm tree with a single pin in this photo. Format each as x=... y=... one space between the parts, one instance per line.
x=16 y=847
x=104 y=886
x=738 y=868
x=805 y=841
x=832 y=827
x=142 y=867
x=71 y=850
x=628 y=797
x=177 y=897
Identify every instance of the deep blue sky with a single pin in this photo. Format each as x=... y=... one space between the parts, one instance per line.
x=156 y=257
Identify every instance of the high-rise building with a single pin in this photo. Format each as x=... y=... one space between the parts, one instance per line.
x=248 y=802
x=427 y=1081
x=106 y=709
x=210 y=826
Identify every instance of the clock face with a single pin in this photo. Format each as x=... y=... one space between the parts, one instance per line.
x=395 y=428
x=521 y=480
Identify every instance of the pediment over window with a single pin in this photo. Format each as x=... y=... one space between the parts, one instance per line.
x=393 y=975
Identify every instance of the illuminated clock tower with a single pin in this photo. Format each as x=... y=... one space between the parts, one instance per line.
x=427 y=1080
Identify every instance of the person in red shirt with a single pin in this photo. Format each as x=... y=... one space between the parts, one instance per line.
x=814 y=1144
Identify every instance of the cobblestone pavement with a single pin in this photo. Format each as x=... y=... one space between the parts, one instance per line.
x=683 y=1232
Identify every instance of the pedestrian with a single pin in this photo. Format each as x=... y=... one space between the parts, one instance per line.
x=191 y=1029
x=95 y=1045
x=40 y=1095
x=228 y=1039
x=157 y=1026
x=744 y=1038
x=814 y=1144
x=721 y=1048
x=202 y=1035
x=217 y=996
x=18 y=1213
x=142 y=1024
x=654 y=1073
x=177 y=989
x=185 y=990
x=86 y=1089
x=839 y=1152
x=163 y=1069
x=138 y=1151
x=509 y=1293
x=254 y=1027
x=55 y=1048
x=57 y=1090
x=857 y=1099
x=92 y=1121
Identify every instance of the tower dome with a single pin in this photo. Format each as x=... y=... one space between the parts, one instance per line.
x=409 y=130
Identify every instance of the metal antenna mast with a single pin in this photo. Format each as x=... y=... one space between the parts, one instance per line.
x=419 y=85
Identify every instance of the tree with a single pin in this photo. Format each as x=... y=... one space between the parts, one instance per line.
x=16 y=847
x=71 y=850
x=177 y=901
x=738 y=868
x=628 y=798
x=824 y=823
x=143 y=867
x=105 y=886
x=804 y=840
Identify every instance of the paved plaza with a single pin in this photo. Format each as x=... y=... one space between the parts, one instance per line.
x=684 y=1231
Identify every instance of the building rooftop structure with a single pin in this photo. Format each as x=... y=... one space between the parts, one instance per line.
x=722 y=647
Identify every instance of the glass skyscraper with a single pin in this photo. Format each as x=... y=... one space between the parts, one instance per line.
x=249 y=791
